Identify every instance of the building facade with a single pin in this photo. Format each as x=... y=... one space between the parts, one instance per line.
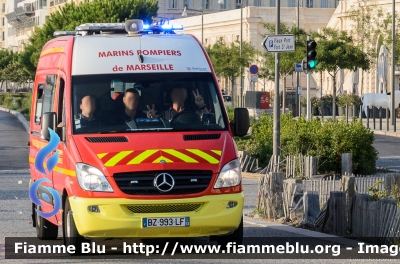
x=227 y=25
x=20 y=19
x=173 y=8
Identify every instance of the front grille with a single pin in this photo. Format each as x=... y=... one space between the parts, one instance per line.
x=201 y=137
x=106 y=139
x=163 y=208
x=141 y=183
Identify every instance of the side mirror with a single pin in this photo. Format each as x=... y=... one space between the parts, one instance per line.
x=241 y=122
x=49 y=120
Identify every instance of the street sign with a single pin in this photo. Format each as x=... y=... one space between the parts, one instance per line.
x=298 y=67
x=299 y=90
x=253 y=69
x=279 y=43
x=254 y=78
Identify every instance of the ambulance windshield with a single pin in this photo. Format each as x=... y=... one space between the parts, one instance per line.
x=146 y=102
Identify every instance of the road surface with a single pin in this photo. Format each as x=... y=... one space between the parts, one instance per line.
x=15 y=205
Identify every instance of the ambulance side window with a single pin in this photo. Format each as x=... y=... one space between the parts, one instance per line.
x=39 y=103
x=61 y=104
x=48 y=100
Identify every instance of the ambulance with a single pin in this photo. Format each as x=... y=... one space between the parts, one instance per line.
x=141 y=167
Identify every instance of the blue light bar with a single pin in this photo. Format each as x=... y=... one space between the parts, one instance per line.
x=166 y=26
x=146 y=26
x=177 y=27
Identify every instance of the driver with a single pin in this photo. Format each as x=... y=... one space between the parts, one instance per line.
x=88 y=107
x=131 y=102
x=179 y=96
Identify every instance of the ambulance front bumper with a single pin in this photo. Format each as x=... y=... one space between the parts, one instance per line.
x=122 y=218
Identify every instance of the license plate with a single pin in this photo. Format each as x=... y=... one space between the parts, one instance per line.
x=166 y=222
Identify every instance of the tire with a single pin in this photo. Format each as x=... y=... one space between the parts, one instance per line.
x=71 y=235
x=236 y=236
x=45 y=230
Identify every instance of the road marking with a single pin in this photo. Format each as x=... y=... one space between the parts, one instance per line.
x=251 y=223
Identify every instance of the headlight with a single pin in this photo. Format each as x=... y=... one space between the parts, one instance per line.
x=92 y=179
x=229 y=176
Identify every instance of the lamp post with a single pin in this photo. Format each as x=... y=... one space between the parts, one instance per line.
x=221 y=2
x=393 y=96
x=184 y=14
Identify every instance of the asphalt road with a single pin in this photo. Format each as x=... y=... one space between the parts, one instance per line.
x=14 y=148
x=389 y=152
x=15 y=205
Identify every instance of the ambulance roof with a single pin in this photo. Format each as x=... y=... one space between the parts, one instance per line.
x=110 y=54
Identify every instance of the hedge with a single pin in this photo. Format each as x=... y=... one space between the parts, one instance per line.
x=22 y=102
x=325 y=139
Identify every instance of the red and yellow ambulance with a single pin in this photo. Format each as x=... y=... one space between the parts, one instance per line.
x=160 y=173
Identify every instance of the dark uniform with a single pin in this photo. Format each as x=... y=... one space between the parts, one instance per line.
x=124 y=118
x=170 y=113
x=82 y=122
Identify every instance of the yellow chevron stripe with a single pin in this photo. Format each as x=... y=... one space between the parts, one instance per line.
x=204 y=155
x=180 y=155
x=142 y=156
x=57 y=169
x=100 y=155
x=162 y=158
x=52 y=50
x=218 y=152
x=118 y=157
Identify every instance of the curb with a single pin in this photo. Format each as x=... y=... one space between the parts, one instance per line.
x=19 y=116
x=302 y=232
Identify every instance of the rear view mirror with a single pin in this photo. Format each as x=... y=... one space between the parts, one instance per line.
x=241 y=122
x=49 y=120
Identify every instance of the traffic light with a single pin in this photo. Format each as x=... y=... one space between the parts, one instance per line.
x=311 y=54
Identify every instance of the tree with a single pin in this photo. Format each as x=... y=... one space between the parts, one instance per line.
x=336 y=50
x=72 y=15
x=287 y=59
x=227 y=61
x=265 y=73
x=6 y=58
x=371 y=26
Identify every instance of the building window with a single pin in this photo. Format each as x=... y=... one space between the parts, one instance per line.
x=310 y=3
x=272 y=3
x=257 y=2
x=206 y=4
x=173 y=3
x=239 y=2
x=324 y=3
x=3 y=21
x=291 y=3
x=224 y=5
x=44 y=3
x=189 y=3
x=3 y=7
x=3 y=36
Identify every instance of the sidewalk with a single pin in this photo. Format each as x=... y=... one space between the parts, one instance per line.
x=377 y=129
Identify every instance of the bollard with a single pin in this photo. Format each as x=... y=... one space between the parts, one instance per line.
x=367 y=117
x=380 y=118
x=387 y=119
x=373 y=115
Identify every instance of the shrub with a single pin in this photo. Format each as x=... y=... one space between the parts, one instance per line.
x=342 y=100
x=315 y=102
x=303 y=101
x=326 y=140
x=327 y=100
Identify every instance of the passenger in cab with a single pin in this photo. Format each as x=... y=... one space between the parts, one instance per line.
x=131 y=102
x=180 y=105
x=87 y=116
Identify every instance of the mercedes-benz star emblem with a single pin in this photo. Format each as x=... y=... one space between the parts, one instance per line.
x=164 y=182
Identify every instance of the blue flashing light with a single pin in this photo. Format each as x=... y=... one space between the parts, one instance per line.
x=166 y=26
x=146 y=26
x=177 y=27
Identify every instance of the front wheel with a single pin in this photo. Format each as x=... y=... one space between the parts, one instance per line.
x=236 y=236
x=71 y=235
x=45 y=230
